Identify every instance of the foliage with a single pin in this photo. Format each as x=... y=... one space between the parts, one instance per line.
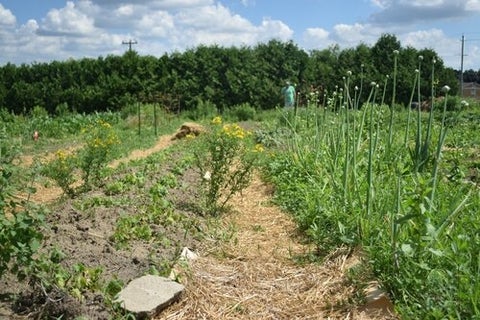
x=62 y=170
x=222 y=77
x=204 y=110
x=158 y=212
x=225 y=161
x=242 y=112
x=344 y=175
x=88 y=161
x=100 y=138
x=20 y=225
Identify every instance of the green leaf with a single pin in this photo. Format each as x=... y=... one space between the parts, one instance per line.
x=407 y=249
x=35 y=245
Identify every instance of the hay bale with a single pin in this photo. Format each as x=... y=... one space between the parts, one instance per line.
x=188 y=128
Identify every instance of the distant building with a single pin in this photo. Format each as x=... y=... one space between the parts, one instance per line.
x=471 y=90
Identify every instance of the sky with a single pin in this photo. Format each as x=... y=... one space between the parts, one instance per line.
x=36 y=31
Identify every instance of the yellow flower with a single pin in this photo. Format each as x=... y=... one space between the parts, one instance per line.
x=217 y=120
x=258 y=148
x=61 y=155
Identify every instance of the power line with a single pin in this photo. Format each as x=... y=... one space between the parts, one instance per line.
x=129 y=42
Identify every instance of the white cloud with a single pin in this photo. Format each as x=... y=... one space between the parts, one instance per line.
x=316 y=38
x=125 y=10
x=213 y=17
x=215 y=24
x=273 y=29
x=97 y=28
x=6 y=17
x=176 y=4
x=473 y=5
x=68 y=20
x=437 y=40
x=155 y=24
x=350 y=34
x=421 y=11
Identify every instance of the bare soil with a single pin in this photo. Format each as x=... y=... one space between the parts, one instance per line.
x=248 y=265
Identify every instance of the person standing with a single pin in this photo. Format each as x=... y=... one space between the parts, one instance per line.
x=288 y=92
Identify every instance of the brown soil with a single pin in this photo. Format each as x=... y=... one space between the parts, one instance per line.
x=248 y=270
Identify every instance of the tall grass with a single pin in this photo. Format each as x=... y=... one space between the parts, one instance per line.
x=361 y=177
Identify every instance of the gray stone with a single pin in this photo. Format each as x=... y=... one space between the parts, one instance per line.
x=148 y=295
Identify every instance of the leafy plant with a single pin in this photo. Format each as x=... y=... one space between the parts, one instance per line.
x=225 y=160
x=21 y=226
x=100 y=138
x=62 y=170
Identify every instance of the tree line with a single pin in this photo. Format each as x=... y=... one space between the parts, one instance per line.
x=223 y=76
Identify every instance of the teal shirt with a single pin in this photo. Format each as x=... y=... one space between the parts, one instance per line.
x=289 y=95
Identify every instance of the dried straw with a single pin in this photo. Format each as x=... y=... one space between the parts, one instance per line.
x=254 y=276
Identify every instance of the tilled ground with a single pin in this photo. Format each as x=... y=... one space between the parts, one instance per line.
x=248 y=270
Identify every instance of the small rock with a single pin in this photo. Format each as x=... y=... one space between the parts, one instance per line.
x=377 y=299
x=185 y=257
x=148 y=295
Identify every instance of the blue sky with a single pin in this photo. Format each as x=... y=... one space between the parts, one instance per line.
x=45 y=30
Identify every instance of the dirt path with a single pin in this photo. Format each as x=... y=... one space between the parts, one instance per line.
x=51 y=192
x=253 y=276
x=162 y=143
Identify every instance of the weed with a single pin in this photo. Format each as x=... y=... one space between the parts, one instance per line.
x=225 y=161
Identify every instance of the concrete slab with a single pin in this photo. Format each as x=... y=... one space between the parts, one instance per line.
x=148 y=295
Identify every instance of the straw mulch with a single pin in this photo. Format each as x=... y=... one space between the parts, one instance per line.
x=253 y=276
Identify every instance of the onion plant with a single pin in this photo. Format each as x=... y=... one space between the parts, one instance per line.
x=360 y=178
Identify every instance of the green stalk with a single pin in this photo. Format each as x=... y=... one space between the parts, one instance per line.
x=361 y=85
x=438 y=154
x=394 y=226
x=426 y=143
x=370 y=158
x=407 y=129
x=354 y=145
x=392 y=106
x=139 y=118
x=346 y=167
x=384 y=89
x=418 y=139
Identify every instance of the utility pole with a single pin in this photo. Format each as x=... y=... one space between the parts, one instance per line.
x=461 y=65
x=129 y=42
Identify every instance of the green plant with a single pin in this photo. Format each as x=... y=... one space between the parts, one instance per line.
x=241 y=112
x=115 y=187
x=100 y=139
x=225 y=160
x=62 y=170
x=358 y=178
x=83 y=279
x=21 y=225
x=203 y=110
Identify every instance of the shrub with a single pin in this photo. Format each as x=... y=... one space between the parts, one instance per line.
x=99 y=142
x=20 y=230
x=242 y=112
x=61 y=169
x=225 y=161
x=203 y=110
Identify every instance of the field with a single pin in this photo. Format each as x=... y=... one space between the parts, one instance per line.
x=300 y=211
